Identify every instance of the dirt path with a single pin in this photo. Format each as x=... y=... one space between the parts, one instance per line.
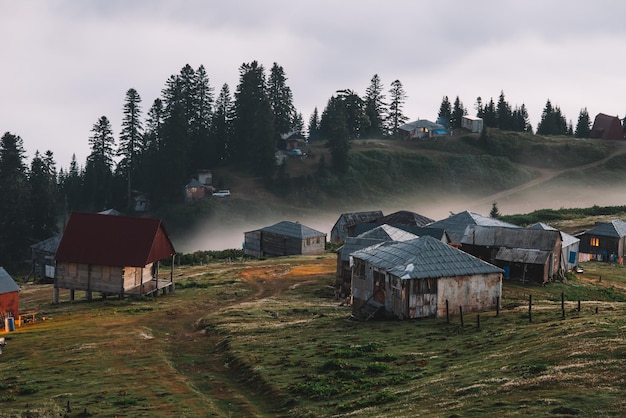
x=227 y=388
x=547 y=175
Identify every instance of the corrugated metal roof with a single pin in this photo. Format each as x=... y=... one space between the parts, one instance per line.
x=91 y=238
x=492 y=236
x=7 y=284
x=354 y=218
x=422 y=258
x=404 y=217
x=293 y=230
x=455 y=225
x=566 y=238
x=388 y=233
x=421 y=123
x=523 y=255
x=49 y=245
x=615 y=229
x=381 y=233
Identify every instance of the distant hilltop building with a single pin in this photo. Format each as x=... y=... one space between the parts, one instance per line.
x=607 y=127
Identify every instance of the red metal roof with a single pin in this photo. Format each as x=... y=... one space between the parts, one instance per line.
x=125 y=241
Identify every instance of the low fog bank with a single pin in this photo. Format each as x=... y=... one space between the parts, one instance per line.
x=226 y=229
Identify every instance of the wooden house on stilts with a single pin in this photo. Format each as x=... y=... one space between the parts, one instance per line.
x=112 y=255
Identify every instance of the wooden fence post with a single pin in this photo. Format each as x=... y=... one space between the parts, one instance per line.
x=461 y=312
x=447 y=312
x=530 y=308
x=478 y=320
x=562 y=305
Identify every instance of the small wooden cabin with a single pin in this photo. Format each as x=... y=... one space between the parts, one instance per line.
x=607 y=127
x=112 y=255
x=605 y=242
x=340 y=230
x=284 y=238
x=9 y=295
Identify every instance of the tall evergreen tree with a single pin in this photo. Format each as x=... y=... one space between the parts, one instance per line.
x=503 y=113
x=519 y=120
x=254 y=139
x=458 y=111
x=131 y=145
x=314 y=126
x=281 y=100
x=335 y=129
x=357 y=121
x=222 y=127
x=71 y=188
x=489 y=114
x=444 y=116
x=99 y=167
x=375 y=108
x=43 y=196
x=583 y=127
x=397 y=100
x=552 y=121
x=15 y=231
x=479 y=107
x=200 y=125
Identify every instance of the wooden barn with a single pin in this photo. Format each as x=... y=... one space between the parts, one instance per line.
x=9 y=296
x=607 y=127
x=420 y=278
x=284 y=238
x=112 y=255
x=340 y=230
x=605 y=242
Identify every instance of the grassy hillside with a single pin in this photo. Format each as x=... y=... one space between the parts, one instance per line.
x=267 y=338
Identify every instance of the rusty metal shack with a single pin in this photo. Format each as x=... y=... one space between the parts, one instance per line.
x=420 y=278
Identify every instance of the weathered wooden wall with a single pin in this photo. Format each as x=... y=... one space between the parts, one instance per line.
x=102 y=279
x=475 y=293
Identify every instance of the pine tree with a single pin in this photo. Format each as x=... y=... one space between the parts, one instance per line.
x=98 y=171
x=489 y=114
x=71 y=187
x=503 y=113
x=335 y=129
x=15 y=231
x=494 y=213
x=397 y=100
x=281 y=100
x=583 y=127
x=375 y=108
x=458 y=111
x=200 y=124
x=314 y=126
x=43 y=196
x=254 y=139
x=130 y=145
x=357 y=121
x=222 y=127
x=552 y=121
x=479 y=107
x=444 y=116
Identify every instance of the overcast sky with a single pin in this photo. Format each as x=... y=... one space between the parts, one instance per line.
x=66 y=63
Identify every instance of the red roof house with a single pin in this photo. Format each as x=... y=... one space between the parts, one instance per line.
x=9 y=296
x=607 y=127
x=112 y=255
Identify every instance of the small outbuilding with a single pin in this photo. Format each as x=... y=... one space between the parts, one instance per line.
x=112 y=255
x=605 y=242
x=606 y=127
x=472 y=123
x=570 y=246
x=282 y=239
x=420 y=277
x=455 y=225
x=523 y=253
x=42 y=257
x=9 y=296
x=341 y=228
